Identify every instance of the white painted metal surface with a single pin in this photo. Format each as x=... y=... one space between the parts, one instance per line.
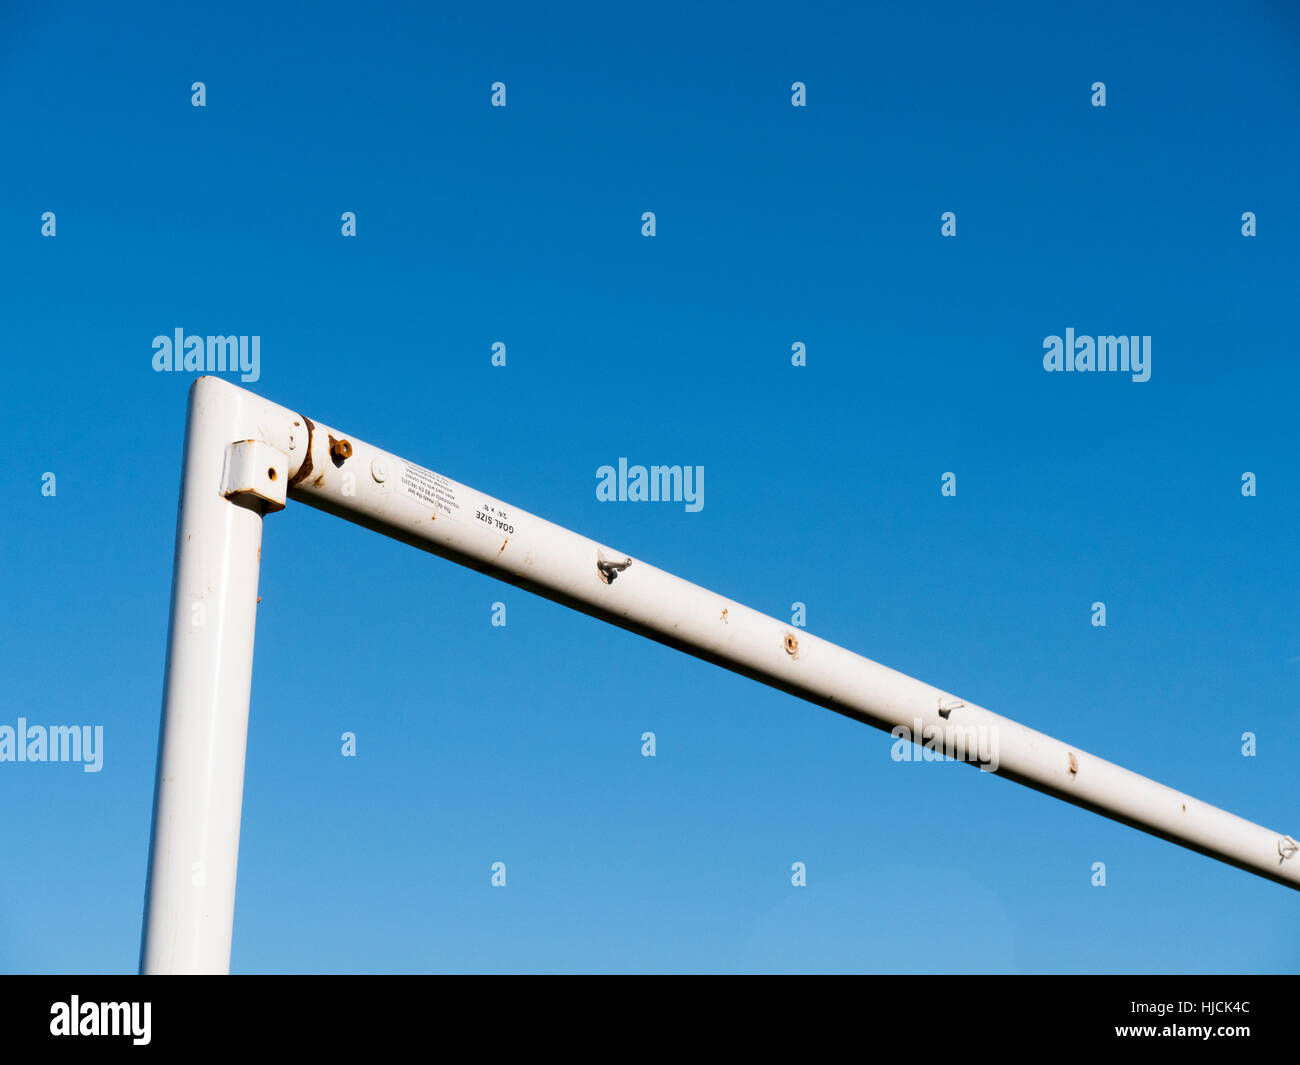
x=190 y=897
x=196 y=820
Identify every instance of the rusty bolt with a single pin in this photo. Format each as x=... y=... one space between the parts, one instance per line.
x=340 y=451
x=791 y=645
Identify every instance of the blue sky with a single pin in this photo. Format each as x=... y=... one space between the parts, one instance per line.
x=775 y=225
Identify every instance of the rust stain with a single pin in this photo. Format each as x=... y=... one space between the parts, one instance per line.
x=304 y=471
x=724 y=615
x=1074 y=764
x=791 y=645
x=503 y=546
x=319 y=480
x=259 y=598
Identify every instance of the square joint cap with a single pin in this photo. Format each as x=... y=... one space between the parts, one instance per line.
x=256 y=473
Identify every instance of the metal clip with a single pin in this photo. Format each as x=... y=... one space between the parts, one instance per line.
x=609 y=569
x=947 y=706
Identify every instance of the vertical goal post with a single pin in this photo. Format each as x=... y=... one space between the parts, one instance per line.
x=246 y=457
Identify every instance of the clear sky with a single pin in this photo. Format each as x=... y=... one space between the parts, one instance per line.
x=775 y=225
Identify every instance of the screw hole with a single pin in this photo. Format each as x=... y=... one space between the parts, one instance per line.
x=270 y=472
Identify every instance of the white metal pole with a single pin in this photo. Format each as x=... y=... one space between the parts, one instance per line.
x=235 y=468
x=402 y=500
x=205 y=717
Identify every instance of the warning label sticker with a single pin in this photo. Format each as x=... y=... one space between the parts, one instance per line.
x=431 y=489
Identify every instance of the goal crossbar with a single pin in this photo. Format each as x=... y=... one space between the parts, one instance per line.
x=246 y=457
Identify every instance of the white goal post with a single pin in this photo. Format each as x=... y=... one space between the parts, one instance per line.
x=246 y=456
